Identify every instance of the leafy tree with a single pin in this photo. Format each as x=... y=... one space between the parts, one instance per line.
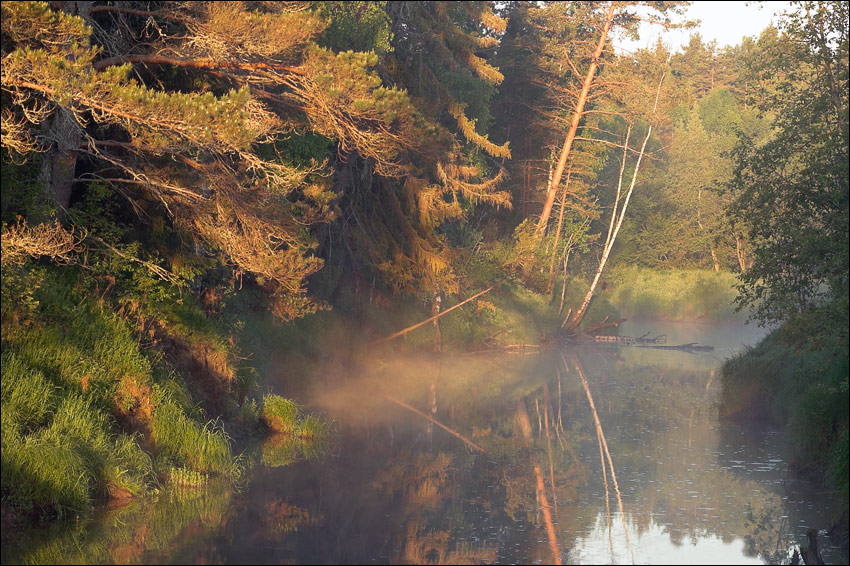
x=793 y=189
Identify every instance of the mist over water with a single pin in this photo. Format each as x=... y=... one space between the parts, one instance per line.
x=496 y=459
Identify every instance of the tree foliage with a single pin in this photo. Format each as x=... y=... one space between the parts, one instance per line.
x=793 y=189
x=203 y=130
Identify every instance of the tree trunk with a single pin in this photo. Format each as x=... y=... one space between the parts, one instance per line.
x=551 y=285
x=60 y=160
x=612 y=234
x=579 y=314
x=740 y=253
x=567 y=249
x=571 y=133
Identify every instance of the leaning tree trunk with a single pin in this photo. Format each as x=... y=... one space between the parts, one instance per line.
x=571 y=133
x=612 y=234
x=579 y=313
x=551 y=285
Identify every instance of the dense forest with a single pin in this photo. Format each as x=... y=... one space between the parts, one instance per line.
x=191 y=188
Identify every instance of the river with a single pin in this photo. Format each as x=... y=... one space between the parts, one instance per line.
x=489 y=458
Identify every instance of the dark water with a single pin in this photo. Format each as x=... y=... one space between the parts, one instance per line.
x=517 y=477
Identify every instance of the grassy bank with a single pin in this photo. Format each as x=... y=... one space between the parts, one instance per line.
x=513 y=314
x=792 y=382
x=88 y=413
x=101 y=399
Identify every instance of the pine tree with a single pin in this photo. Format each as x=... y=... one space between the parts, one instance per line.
x=202 y=128
x=391 y=223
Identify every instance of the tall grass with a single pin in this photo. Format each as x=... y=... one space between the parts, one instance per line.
x=74 y=374
x=200 y=447
x=283 y=416
x=685 y=294
x=58 y=449
x=28 y=398
x=295 y=435
x=280 y=415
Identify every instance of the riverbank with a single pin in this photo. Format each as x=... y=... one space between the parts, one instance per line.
x=109 y=397
x=801 y=385
x=112 y=389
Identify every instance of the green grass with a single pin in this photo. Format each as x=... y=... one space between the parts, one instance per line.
x=73 y=375
x=42 y=478
x=201 y=447
x=28 y=398
x=58 y=449
x=686 y=294
x=294 y=435
x=280 y=415
x=284 y=417
x=312 y=427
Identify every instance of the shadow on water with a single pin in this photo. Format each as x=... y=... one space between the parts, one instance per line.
x=493 y=459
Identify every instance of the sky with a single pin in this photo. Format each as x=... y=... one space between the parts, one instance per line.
x=727 y=22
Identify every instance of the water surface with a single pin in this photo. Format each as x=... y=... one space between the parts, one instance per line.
x=492 y=458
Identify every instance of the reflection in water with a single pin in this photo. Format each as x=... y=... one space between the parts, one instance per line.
x=135 y=533
x=479 y=460
x=603 y=444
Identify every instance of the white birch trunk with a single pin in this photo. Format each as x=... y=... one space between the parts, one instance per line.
x=609 y=243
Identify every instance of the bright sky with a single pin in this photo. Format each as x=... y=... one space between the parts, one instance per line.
x=727 y=22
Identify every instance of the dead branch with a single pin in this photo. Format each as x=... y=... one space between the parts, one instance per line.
x=50 y=240
x=604 y=324
x=433 y=318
